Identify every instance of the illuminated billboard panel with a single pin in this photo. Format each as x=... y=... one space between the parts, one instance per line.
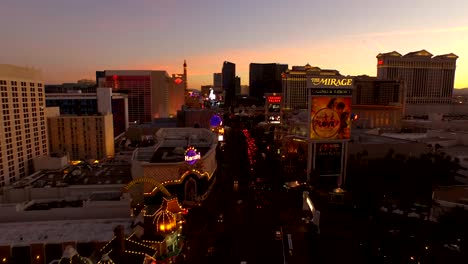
x=273 y=108
x=330 y=117
x=328 y=157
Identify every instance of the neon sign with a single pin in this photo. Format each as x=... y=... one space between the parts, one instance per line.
x=274 y=99
x=178 y=81
x=192 y=156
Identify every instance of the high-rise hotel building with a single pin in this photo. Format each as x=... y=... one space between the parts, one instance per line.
x=23 y=133
x=294 y=85
x=265 y=78
x=79 y=100
x=229 y=82
x=151 y=94
x=428 y=79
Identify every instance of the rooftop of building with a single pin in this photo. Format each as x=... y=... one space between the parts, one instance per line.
x=83 y=173
x=80 y=93
x=312 y=70
x=372 y=79
x=373 y=136
x=172 y=143
x=418 y=54
x=50 y=232
x=173 y=154
x=135 y=72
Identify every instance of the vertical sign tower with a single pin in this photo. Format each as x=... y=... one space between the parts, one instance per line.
x=273 y=112
x=329 y=125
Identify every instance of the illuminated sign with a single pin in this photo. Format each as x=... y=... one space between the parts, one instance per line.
x=380 y=62
x=274 y=119
x=318 y=81
x=328 y=158
x=192 y=156
x=178 y=81
x=116 y=81
x=330 y=117
x=274 y=99
x=331 y=91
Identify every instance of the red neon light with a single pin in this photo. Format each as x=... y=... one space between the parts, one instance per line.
x=380 y=62
x=274 y=99
x=178 y=81
x=115 y=77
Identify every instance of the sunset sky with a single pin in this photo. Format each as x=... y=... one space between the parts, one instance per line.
x=71 y=39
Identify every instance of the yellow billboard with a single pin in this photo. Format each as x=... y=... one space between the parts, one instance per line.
x=330 y=117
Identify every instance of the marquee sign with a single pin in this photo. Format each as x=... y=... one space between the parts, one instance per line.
x=318 y=81
x=274 y=99
x=192 y=156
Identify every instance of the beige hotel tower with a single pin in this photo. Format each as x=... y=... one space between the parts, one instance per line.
x=23 y=134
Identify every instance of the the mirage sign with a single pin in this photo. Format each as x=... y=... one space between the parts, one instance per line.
x=329 y=82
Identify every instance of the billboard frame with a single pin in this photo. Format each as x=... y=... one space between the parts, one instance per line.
x=330 y=91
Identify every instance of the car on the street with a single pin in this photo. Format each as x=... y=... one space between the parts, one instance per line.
x=220 y=218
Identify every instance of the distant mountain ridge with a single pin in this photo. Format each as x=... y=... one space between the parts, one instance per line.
x=461 y=91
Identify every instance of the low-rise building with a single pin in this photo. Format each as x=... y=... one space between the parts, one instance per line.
x=81 y=137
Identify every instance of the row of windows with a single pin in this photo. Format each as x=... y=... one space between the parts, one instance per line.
x=24 y=90
x=15 y=83
x=24 y=96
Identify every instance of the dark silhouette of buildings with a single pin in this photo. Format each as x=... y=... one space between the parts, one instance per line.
x=265 y=78
x=238 y=85
x=229 y=82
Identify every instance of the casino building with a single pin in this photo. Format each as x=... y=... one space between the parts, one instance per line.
x=294 y=84
x=174 y=175
x=151 y=94
x=378 y=103
x=156 y=238
x=429 y=79
x=183 y=161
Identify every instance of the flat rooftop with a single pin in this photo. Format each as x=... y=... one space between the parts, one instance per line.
x=173 y=142
x=386 y=138
x=173 y=154
x=95 y=230
x=81 y=174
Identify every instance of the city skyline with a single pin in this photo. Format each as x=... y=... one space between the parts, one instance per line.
x=70 y=40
